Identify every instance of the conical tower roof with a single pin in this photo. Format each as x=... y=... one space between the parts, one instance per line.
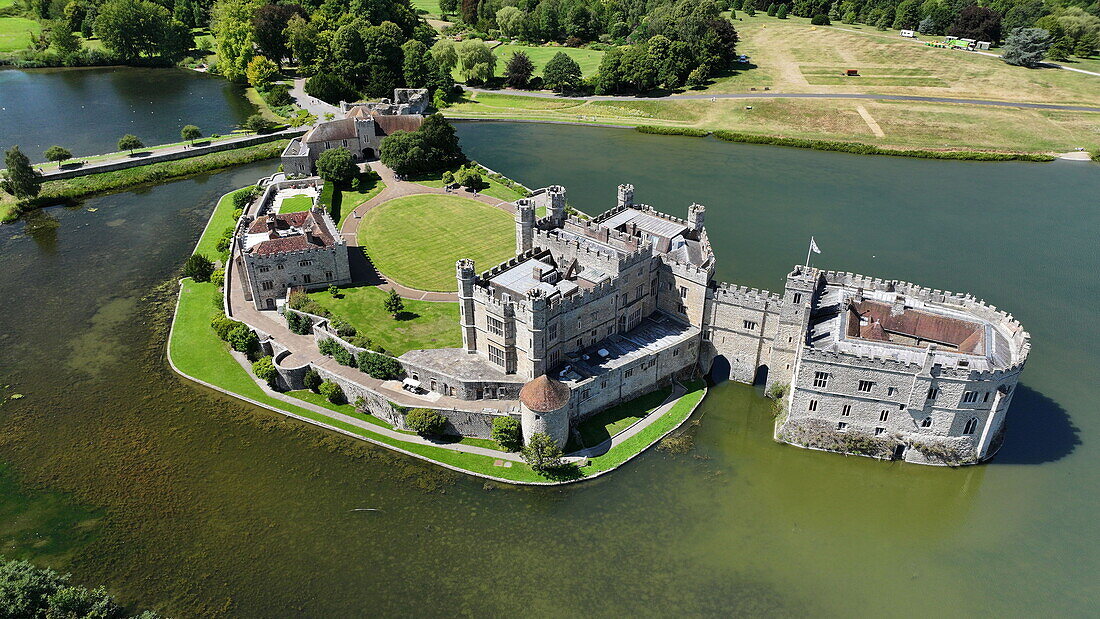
x=544 y=394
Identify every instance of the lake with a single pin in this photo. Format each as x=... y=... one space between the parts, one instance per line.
x=192 y=503
x=87 y=110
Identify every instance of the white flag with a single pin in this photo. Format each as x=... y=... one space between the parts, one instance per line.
x=813 y=246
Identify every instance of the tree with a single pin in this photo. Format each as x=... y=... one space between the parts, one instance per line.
x=58 y=154
x=403 y=152
x=542 y=452
x=258 y=124
x=393 y=304
x=260 y=71
x=448 y=178
x=198 y=267
x=1026 y=47
x=782 y=12
x=519 y=69
x=264 y=369
x=20 y=179
x=383 y=58
x=130 y=142
x=562 y=74
x=312 y=380
x=772 y=9
x=445 y=53
x=820 y=19
x=927 y=25
x=417 y=66
x=977 y=22
x=1061 y=49
x=232 y=25
x=1087 y=45
x=332 y=391
x=62 y=38
x=380 y=366
x=907 y=15
x=302 y=40
x=30 y=591
x=510 y=20
x=135 y=28
x=190 y=133
x=507 y=433
x=243 y=339
x=330 y=88
x=448 y=7
x=425 y=421
x=476 y=61
x=440 y=142
x=337 y=165
x=268 y=29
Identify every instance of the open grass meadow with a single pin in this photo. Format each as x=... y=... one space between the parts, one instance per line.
x=423 y=324
x=15 y=32
x=416 y=240
x=588 y=59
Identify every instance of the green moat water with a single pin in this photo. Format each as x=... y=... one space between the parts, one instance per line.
x=195 y=504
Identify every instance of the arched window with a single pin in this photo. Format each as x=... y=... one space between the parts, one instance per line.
x=971 y=426
x=927 y=423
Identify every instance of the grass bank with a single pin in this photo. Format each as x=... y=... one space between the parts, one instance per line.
x=858 y=148
x=416 y=240
x=62 y=191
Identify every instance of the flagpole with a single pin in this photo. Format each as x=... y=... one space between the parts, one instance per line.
x=809 y=248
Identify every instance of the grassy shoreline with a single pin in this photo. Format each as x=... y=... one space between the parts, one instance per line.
x=70 y=189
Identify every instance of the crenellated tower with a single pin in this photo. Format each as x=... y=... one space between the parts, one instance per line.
x=626 y=196
x=556 y=209
x=464 y=271
x=525 y=224
x=696 y=213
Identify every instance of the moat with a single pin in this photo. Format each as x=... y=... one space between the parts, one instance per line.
x=152 y=468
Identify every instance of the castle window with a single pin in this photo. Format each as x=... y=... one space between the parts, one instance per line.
x=268 y=285
x=812 y=406
x=798 y=297
x=502 y=393
x=628 y=373
x=971 y=426
x=328 y=275
x=683 y=292
x=986 y=398
x=932 y=393
x=846 y=410
x=884 y=415
x=554 y=358
x=681 y=308
x=280 y=266
x=603 y=384
x=970 y=396
x=706 y=336
x=749 y=324
x=841 y=426
x=821 y=379
x=307 y=278
x=496 y=327
x=496 y=355
x=880 y=431
x=866 y=386
x=585 y=394
x=305 y=263
x=676 y=353
x=264 y=269
x=927 y=423
x=891 y=391
x=552 y=331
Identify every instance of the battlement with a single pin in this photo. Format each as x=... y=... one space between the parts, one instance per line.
x=743 y=295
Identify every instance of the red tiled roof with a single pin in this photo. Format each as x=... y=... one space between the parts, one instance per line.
x=310 y=222
x=544 y=394
x=386 y=124
x=967 y=336
x=283 y=221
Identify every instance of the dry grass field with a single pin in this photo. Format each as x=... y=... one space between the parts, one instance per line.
x=790 y=55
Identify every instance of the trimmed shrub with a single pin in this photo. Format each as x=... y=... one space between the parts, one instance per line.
x=242 y=198
x=380 y=366
x=312 y=380
x=343 y=357
x=343 y=329
x=218 y=277
x=425 y=421
x=222 y=325
x=243 y=339
x=820 y=19
x=332 y=392
x=297 y=323
x=264 y=369
x=507 y=433
x=328 y=346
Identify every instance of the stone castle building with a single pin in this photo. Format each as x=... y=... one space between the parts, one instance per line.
x=594 y=312
x=360 y=131
x=277 y=252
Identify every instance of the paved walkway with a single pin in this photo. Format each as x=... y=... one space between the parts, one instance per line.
x=799 y=95
x=314 y=106
x=395 y=188
x=678 y=392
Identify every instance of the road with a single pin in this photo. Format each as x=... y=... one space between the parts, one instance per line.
x=799 y=95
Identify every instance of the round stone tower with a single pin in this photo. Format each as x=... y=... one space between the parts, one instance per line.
x=544 y=407
x=464 y=271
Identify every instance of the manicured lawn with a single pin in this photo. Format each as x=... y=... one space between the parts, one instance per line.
x=296 y=204
x=588 y=59
x=424 y=324
x=416 y=240
x=640 y=441
x=220 y=219
x=370 y=185
x=602 y=426
x=15 y=33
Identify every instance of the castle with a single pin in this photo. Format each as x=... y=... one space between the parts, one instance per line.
x=594 y=312
x=360 y=131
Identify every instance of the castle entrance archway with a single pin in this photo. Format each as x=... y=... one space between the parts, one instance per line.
x=719 y=370
x=761 y=376
x=368 y=154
